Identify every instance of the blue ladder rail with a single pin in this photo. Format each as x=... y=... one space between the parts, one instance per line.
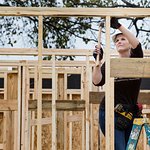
x=136 y=130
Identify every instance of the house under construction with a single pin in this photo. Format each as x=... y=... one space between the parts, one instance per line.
x=59 y=117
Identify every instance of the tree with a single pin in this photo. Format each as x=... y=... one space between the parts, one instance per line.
x=62 y=32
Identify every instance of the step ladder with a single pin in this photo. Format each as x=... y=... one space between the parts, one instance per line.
x=138 y=124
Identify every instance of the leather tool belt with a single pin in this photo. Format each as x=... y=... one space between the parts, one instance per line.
x=124 y=117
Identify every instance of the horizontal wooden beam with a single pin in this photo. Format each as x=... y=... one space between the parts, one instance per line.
x=96 y=97
x=46 y=72
x=66 y=12
x=114 y=53
x=8 y=105
x=57 y=52
x=45 y=52
x=144 y=97
x=45 y=63
x=127 y=67
x=79 y=105
x=68 y=52
x=19 y=51
x=130 y=67
x=74 y=118
x=42 y=121
x=45 y=121
x=68 y=105
x=61 y=105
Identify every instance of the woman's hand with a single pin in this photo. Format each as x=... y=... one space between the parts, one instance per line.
x=114 y=23
x=98 y=51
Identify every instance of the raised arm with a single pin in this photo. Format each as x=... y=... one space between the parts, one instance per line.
x=131 y=37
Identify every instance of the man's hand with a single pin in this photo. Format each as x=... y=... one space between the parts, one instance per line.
x=98 y=51
x=114 y=23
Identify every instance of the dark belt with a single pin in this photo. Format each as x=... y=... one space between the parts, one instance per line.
x=126 y=108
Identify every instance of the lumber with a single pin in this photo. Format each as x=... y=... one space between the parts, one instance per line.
x=96 y=97
x=17 y=87
x=130 y=67
x=8 y=105
x=66 y=12
x=53 y=108
x=39 y=82
x=61 y=105
x=57 y=52
x=61 y=114
x=19 y=114
x=1 y=146
x=109 y=101
x=45 y=121
x=11 y=94
x=87 y=105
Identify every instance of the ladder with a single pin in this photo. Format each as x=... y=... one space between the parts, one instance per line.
x=138 y=124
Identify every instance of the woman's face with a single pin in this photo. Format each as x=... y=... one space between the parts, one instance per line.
x=122 y=44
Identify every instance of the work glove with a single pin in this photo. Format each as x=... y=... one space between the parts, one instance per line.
x=114 y=23
x=100 y=54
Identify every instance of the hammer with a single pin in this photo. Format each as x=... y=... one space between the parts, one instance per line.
x=101 y=25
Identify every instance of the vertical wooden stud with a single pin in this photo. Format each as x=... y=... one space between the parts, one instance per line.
x=35 y=96
x=83 y=112
x=60 y=114
x=54 y=145
x=19 y=109
x=65 y=113
x=109 y=101
x=5 y=113
x=9 y=116
x=87 y=105
x=39 y=81
x=70 y=127
x=25 y=98
x=27 y=113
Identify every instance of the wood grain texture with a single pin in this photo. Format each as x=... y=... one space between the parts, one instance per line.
x=64 y=12
x=130 y=67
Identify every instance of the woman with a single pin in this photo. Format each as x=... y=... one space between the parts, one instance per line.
x=126 y=89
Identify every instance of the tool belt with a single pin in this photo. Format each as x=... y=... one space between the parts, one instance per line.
x=123 y=118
